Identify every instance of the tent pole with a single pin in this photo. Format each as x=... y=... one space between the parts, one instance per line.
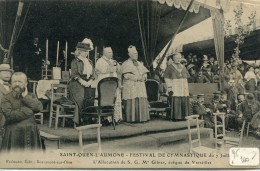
x=15 y=29
x=173 y=37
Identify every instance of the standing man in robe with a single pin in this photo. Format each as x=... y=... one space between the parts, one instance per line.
x=134 y=90
x=176 y=78
x=106 y=66
x=19 y=107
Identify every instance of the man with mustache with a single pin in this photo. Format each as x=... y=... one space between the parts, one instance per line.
x=19 y=107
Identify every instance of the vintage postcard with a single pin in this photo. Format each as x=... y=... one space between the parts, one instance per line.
x=129 y=84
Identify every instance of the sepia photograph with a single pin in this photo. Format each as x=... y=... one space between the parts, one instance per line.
x=129 y=84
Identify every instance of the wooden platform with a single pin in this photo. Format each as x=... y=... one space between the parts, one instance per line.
x=161 y=131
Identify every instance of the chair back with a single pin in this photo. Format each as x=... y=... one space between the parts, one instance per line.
x=197 y=129
x=58 y=91
x=107 y=88
x=152 y=88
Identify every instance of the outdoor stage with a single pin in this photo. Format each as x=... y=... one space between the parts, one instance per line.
x=154 y=132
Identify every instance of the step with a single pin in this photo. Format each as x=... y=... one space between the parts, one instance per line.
x=157 y=139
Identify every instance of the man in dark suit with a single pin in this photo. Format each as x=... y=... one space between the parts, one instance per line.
x=232 y=95
x=241 y=86
x=34 y=57
x=208 y=74
x=257 y=92
x=200 y=78
x=5 y=76
x=200 y=108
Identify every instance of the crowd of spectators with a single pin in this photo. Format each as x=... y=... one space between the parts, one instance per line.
x=240 y=95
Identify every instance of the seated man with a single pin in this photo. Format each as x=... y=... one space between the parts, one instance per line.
x=19 y=107
x=199 y=108
x=216 y=105
x=249 y=110
x=200 y=78
x=230 y=120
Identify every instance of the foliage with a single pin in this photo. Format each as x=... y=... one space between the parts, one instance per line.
x=242 y=30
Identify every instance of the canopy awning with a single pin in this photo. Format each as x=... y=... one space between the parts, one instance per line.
x=107 y=23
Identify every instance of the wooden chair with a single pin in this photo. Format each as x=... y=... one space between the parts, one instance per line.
x=199 y=148
x=235 y=141
x=106 y=100
x=85 y=128
x=156 y=106
x=248 y=128
x=221 y=125
x=58 y=109
x=38 y=116
x=50 y=137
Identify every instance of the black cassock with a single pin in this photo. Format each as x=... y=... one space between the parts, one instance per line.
x=21 y=131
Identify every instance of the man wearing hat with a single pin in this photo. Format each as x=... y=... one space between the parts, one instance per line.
x=234 y=73
x=5 y=76
x=232 y=95
x=192 y=73
x=249 y=110
x=218 y=104
x=257 y=92
x=201 y=108
x=201 y=78
x=241 y=86
x=205 y=62
x=208 y=74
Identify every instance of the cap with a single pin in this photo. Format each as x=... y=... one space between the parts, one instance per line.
x=217 y=92
x=205 y=58
x=5 y=67
x=200 y=95
x=190 y=66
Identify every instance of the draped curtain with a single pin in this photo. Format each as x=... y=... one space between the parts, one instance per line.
x=218 y=29
x=149 y=22
x=7 y=16
x=8 y=11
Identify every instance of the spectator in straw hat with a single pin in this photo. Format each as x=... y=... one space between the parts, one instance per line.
x=192 y=73
x=257 y=92
x=5 y=76
x=232 y=95
x=249 y=110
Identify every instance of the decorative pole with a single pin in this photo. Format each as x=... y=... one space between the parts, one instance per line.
x=14 y=33
x=66 y=56
x=46 y=59
x=57 y=55
x=173 y=37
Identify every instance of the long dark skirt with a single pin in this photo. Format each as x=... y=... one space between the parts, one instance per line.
x=78 y=94
x=23 y=136
x=180 y=108
x=136 y=110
